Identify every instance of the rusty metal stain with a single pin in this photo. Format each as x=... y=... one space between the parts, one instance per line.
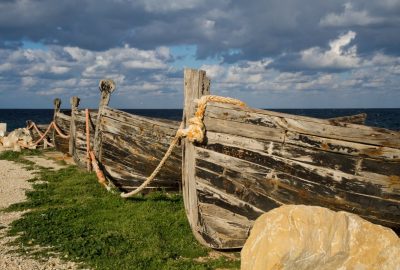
x=373 y=151
x=325 y=146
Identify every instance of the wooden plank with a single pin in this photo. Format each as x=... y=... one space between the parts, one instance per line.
x=231 y=182
x=223 y=227
x=57 y=104
x=256 y=175
x=196 y=84
x=369 y=169
x=353 y=119
x=63 y=116
x=63 y=122
x=72 y=138
x=335 y=161
x=305 y=125
x=343 y=147
x=154 y=133
x=267 y=188
x=141 y=161
x=243 y=129
x=129 y=118
x=125 y=176
x=376 y=186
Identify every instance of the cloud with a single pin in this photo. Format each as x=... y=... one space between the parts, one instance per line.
x=350 y=17
x=164 y=6
x=250 y=48
x=258 y=29
x=65 y=71
x=51 y=92
x=338 y=56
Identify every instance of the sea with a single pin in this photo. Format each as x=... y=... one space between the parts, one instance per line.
x=384 y=118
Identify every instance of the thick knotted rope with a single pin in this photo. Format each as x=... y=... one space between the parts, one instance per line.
x=196 y=130
x=194 y=133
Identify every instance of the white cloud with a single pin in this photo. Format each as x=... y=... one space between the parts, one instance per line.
x=59 y=69
x=28 y=81
x=163 y=6
x=148 y=75
x=349 y=17
x=338 y=56
x=51 y=92
x=5 y=67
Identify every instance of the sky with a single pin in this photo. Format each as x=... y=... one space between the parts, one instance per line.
x=268 y=53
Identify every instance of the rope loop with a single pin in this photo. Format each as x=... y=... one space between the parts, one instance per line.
x=195 y=132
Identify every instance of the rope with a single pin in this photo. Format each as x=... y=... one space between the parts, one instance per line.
x=196 y=130
x=91 y=158
x=194 y=133
x=87 y=140
x=59 y=132
x=43 y=135
x=158 y=168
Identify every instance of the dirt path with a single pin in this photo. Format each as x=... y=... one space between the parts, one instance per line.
x=13 y=184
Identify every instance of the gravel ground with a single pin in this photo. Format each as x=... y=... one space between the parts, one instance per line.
x=45 y=162
x=13 y=184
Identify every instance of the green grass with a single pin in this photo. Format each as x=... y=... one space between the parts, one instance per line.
x=78 y=218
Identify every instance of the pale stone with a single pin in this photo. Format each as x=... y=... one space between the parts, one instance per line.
x=7 y=143
x=302 y=237
x=17 y=138
x=3 y=129
x=17 y=147
x=14 y=136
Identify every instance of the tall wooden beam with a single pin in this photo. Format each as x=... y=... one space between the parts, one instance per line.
x=106 y=87
x=72 y=129
x=57 y=105
x=196 y=84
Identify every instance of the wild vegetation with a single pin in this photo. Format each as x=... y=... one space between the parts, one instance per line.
x=75 y=217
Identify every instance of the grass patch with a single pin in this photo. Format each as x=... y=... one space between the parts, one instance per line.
x=74 y=215
x=19 y=157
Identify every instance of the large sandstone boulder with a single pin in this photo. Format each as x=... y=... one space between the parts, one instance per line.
x=302 y=237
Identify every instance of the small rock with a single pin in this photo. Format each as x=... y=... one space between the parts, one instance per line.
x=302 y=237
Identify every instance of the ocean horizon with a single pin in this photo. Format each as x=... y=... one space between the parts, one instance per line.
x=378 y=117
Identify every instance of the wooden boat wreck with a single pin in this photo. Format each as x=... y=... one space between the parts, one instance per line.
x=128 y=147
x=252 y=161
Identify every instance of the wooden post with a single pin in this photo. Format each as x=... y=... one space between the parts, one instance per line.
x=196 y=84
x=106 y=87
x=57 y=104
x=72 y=129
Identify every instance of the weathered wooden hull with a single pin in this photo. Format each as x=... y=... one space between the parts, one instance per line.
x=63 y=122
x=255 y=160
x=132 y=146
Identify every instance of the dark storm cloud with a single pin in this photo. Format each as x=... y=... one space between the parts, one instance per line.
x=256 y=49
x=258 y=28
